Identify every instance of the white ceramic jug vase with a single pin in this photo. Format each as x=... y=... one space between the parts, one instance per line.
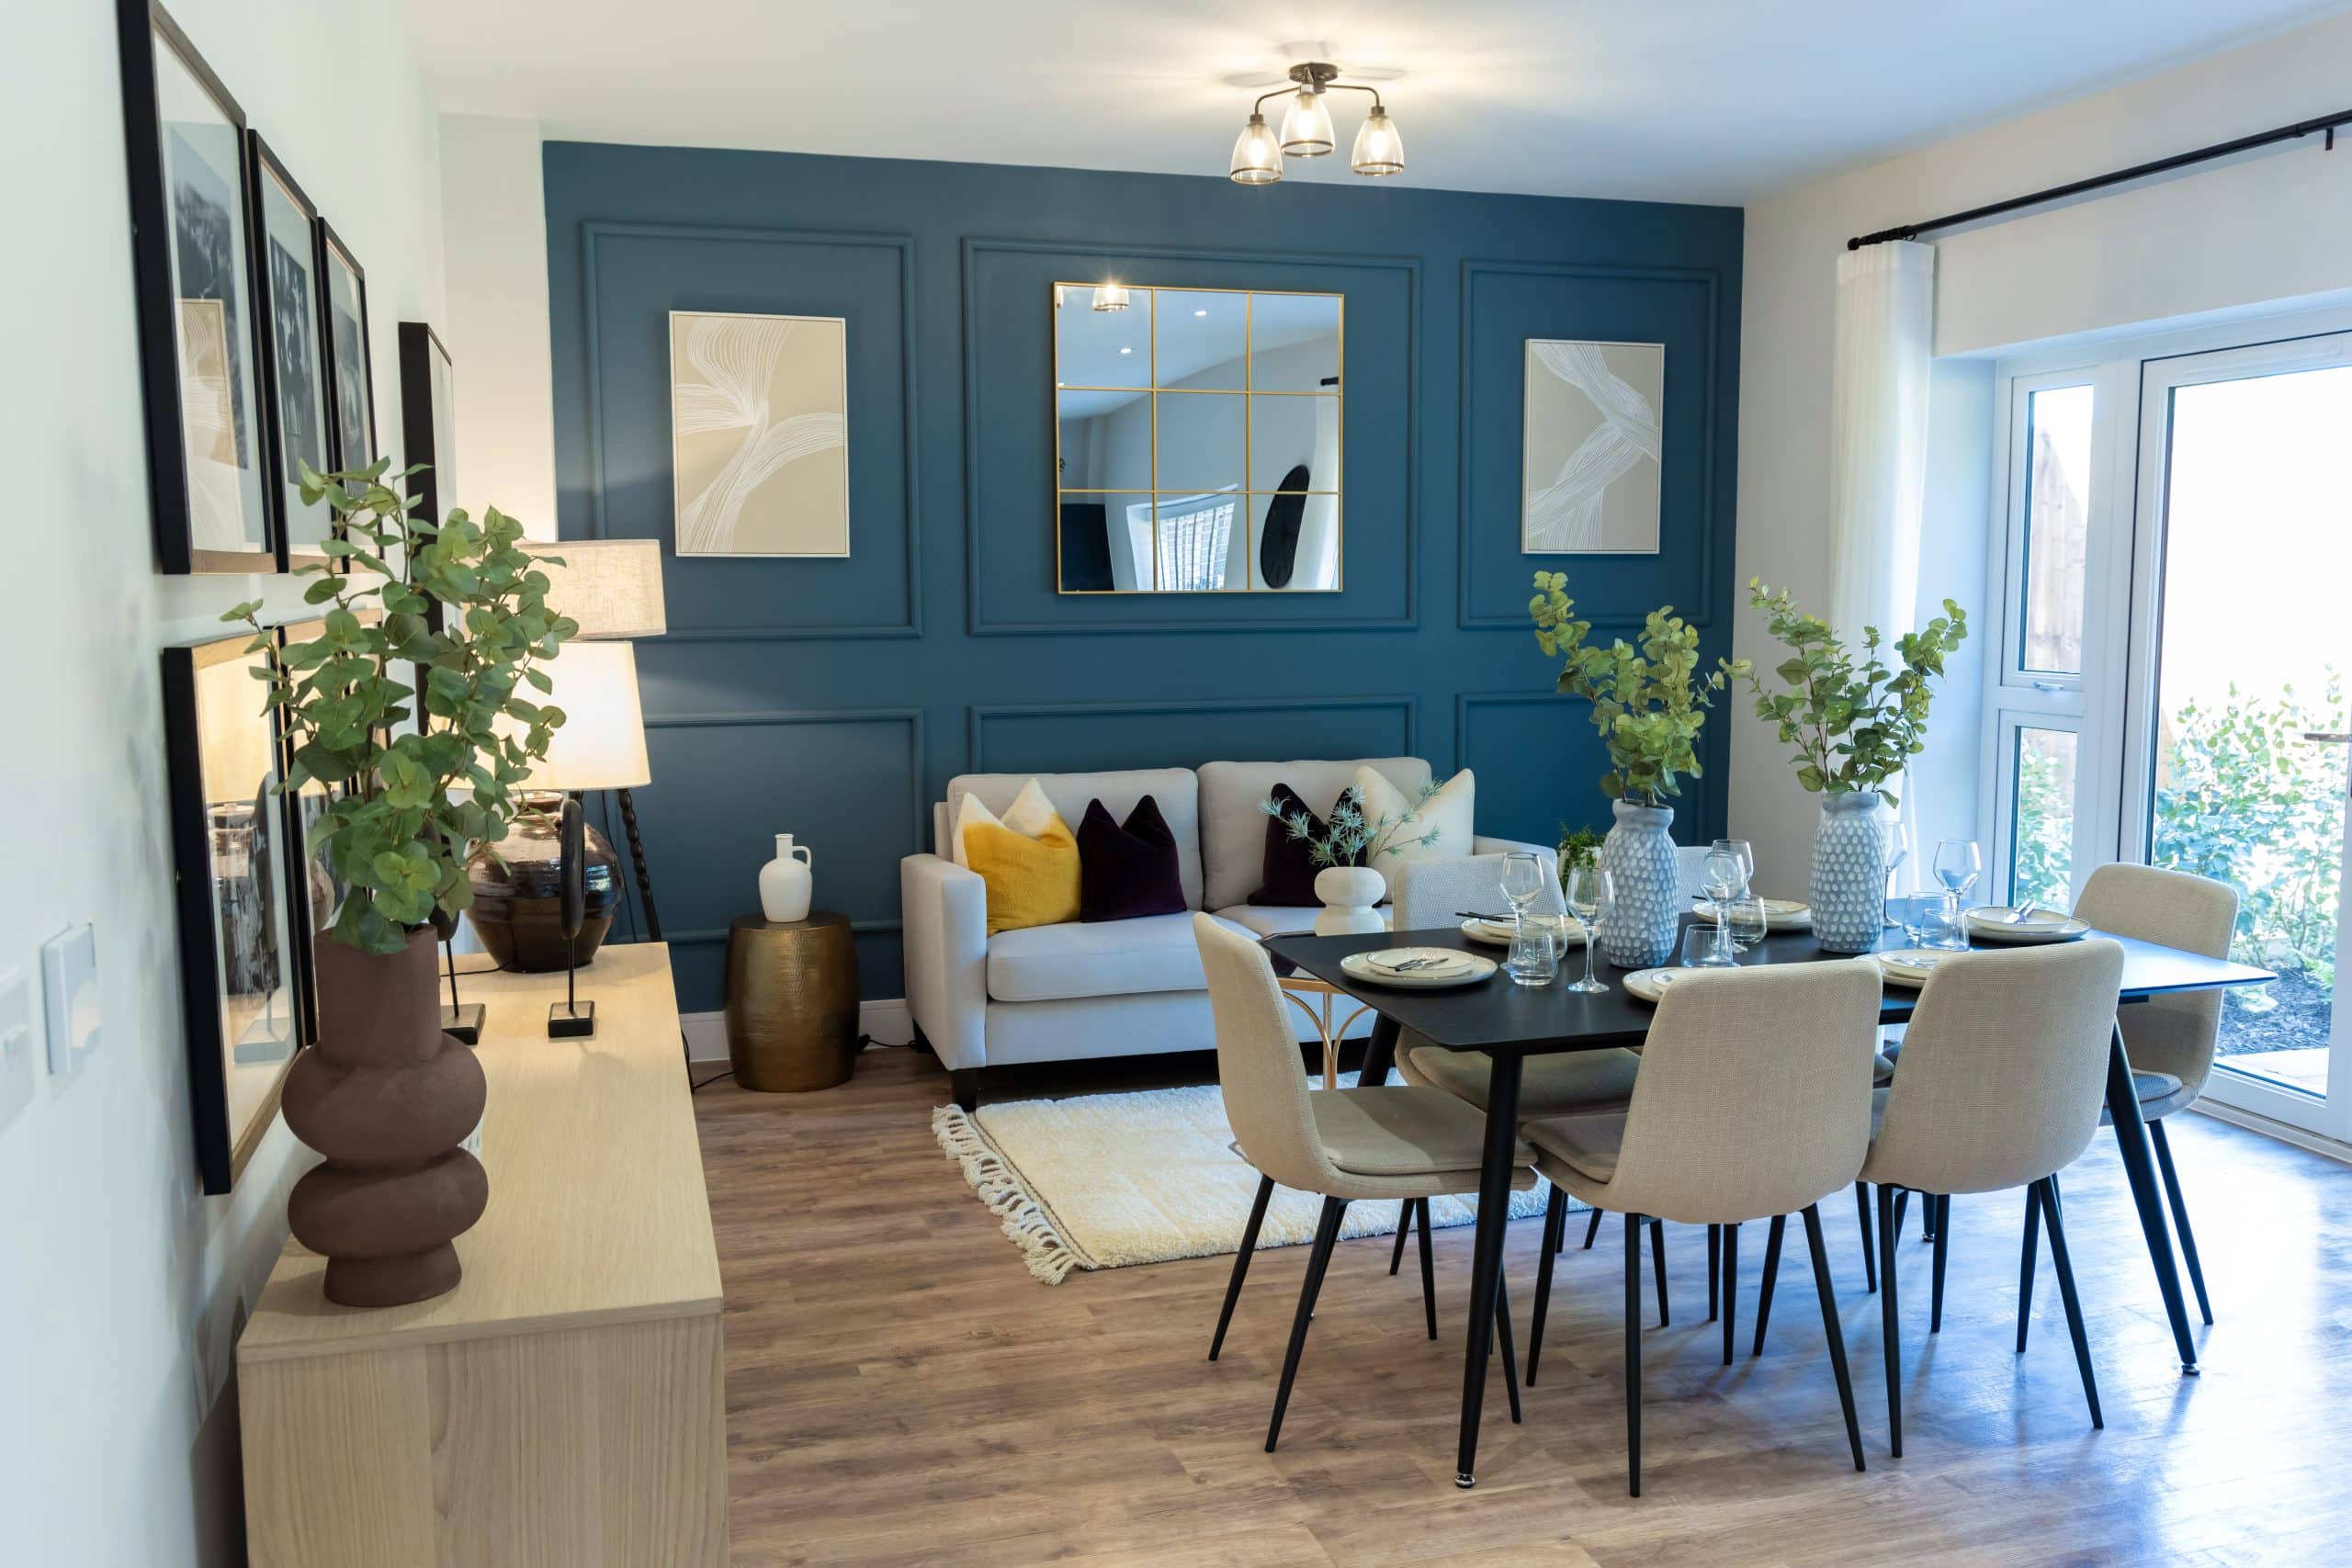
x=787 y=883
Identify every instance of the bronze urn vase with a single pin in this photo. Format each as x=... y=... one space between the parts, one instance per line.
x=388 y=1099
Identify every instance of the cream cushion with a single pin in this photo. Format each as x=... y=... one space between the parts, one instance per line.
x=1104 y=958
x=1030 y=814
x=1557 y=1084
x=1448 y=814
x=1401 y=1131
x=1233 y=827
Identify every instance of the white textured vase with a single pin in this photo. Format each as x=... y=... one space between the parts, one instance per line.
x=1647 y=910
x=1351 y=895
x=1848 y=891
x=788 y=882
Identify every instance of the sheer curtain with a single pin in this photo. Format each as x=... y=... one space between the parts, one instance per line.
x=1882 y=347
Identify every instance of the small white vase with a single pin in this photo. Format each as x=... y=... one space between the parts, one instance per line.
x=788 y=882
x=1350 y=894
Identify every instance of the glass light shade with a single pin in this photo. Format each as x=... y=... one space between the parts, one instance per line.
x=1307 y=126
x=602 y=742
x=612 y=587
x=1110 y=297
x=1256 y=158
x=1379 y=150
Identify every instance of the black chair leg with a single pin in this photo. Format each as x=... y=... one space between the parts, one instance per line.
x=1730 y=1287
x=1938 y=1210
x=2180 y=1216
x=1771 y=1273
x=1552 y=1236
x=1429 y=1270
x=1901 y=1209
x=1890 y=1325
x=1829 y=1325
x=1511 y=1357
x=1592 y=1230
x=1657 y=1266
x=1241 y=1261
x=2065 y=1267
x=2026 y=1262
x=1404 y=1230
x=1634 y=1354
x=1326 y=1231
x=1714 y=1270
x=1869 y=1235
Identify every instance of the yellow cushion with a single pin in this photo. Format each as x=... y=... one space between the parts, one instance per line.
x=1031 y=882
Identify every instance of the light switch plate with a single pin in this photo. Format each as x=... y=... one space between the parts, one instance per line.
x=16 y=1045
x=69 y=978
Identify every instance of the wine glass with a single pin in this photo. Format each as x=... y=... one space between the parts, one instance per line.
x=1957 y=864
x=1747 y=857
x=1590 y=893
x=1721 y=877
x=1897 y=839
x=1523 y=884
x=1749 y=921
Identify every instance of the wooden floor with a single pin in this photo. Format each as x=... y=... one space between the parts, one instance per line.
x=900 y=1390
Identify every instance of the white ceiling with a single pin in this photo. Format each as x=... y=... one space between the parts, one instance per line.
x=1687 y=100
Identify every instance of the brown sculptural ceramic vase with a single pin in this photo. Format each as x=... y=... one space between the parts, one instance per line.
x=386 y=1097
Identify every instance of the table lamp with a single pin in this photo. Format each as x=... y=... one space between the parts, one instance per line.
x=612 y=589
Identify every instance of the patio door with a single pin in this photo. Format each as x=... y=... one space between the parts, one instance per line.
x=2235 y=728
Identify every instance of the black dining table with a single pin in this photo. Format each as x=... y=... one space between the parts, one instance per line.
x=1511 y=1022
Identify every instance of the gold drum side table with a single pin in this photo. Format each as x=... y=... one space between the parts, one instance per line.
x=792 y=1001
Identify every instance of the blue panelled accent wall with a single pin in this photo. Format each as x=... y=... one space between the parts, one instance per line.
x=833 y=699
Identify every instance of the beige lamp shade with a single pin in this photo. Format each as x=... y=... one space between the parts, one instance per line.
x=602 y=743
x=612 y=587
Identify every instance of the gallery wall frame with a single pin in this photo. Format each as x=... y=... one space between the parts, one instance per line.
x=196 y=281
x=782 y=489
x=428 y=417
x=1591 y=418
x=293 y=335
x=350 y=370
x=239 y=989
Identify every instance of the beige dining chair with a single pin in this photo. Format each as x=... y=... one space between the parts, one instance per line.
x=2000 y=1085
x=1434 y=894
x=1753 y=1101
x=1402 y=1143
x=2170 y=1040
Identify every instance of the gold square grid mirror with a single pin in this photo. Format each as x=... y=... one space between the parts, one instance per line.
x=1196 y=440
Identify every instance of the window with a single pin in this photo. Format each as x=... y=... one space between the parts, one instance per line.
x=2042 y=842
x=2057 y=481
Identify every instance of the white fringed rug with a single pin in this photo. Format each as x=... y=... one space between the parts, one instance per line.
x=1104 y=1180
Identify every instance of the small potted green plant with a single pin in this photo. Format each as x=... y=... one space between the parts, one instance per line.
x=1855 y=721
x=1648 y=702
x=412 y=713
x=1350 y=883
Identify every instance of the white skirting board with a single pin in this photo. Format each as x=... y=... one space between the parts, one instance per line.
x=885 y=1020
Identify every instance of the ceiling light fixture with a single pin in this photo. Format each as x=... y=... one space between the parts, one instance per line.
x=1306 y=130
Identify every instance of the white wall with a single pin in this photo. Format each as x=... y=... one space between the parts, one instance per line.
x=494 y=219
x=2271 y=229
x=120 y=1285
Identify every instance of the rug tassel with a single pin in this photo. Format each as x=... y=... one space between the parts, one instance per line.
x=1025 y=1223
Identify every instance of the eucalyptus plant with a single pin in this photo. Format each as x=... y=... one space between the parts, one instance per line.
x=1353 y=839
x=1647 y=701
x=459 y=603
x=1854 y=719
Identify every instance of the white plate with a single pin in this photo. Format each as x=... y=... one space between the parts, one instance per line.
x=1990 y=922
x=1565 y=932
x=1780 y=914
x=1908 y=966
x=1649 y=984
x=1462 y=968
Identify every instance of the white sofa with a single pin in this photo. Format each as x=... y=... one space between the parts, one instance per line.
x=1118 y=988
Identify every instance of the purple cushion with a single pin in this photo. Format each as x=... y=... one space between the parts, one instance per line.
x=1127 y=870
x=1289 y=870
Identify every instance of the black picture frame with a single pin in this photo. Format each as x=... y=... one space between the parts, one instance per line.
x=238 y=984
x=294 y=365
x=428 y=418
x=351 y=379
x=196 y=284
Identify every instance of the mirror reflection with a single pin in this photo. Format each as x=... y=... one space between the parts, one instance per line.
x=1197 y=440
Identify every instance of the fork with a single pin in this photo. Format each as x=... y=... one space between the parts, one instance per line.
x=2019 y=917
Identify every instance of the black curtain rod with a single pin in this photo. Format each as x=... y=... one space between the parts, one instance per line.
x=2327 y=123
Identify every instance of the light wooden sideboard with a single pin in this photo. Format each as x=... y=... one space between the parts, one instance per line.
x=565 y=1406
